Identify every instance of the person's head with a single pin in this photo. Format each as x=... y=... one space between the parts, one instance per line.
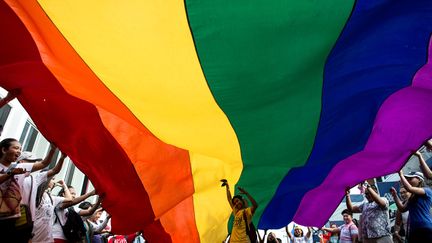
x=333 y=225
x=367 y=193
x=298 y=231
x=404 y=193
x=42 y=188
x=71 y=190
x=238 y=202
x=347 y=216
x=271 y=238
x=10 y=150
x=415 y=179
x=96 y=216
x=85 y=205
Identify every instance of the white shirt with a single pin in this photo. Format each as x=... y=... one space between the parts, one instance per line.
x=302 y=239
x=38 y=179
x=44 y=220
x=18 y=178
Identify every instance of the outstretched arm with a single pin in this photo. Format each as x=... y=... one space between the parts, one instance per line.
x=102 y=226
x=288 y=233
x=354 y=209
x=332 y=230
x=92 y=209
x=423 y=166
x=58 y=166
x=308 y=234
x=251 y=199
x=45 y=162
x=77 y=199
x=228 y=192
x=376 y=198
x=401 y=206
x=415 y=190
x=67 y=195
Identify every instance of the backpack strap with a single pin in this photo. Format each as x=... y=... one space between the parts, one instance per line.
x=349 y=228
x=49 y=195
x=57 y=217
x=247 y=224
x=31 y=189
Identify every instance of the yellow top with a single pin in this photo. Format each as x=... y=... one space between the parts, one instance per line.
x=238 y=234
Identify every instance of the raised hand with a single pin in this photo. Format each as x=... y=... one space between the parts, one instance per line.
x=242 y=191
x=393 y=192
x=347 y=191
x=224 y=183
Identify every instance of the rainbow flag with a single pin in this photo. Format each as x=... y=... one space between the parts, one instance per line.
x=156 y=101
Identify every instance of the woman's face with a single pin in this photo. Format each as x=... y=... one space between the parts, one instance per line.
x=298 y=232
x=96 y=216
x=238 y=204
x=271 y=237
x=404 y=194
x=72 y=192
x=347 y=218
x=413 y=181
x=12 y=153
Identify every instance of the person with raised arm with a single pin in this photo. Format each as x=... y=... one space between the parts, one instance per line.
x=242 y=214
x=401 y=221
x=427 y=172
x=348 y=232
x=62 y=209
x=299 y=236
x=418 y=205
x=41 y=203
x=12 y=175
x=375 y=223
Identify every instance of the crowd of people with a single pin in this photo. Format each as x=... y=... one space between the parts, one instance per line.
x=29 y=212
x=413 y=222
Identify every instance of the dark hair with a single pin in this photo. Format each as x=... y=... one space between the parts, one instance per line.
x=6 y=143
x=238 y=197
x=355 y=222
x=347 y=211
x=85 y=205
x=40 y=191
x=61 y=192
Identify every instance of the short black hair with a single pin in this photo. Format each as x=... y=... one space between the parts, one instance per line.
x=6 y=143
x=347 y=211
x=237 y=196
x=85 y=205
x=62 y=191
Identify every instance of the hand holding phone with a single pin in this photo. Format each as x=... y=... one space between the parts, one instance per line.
x=224 y=182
